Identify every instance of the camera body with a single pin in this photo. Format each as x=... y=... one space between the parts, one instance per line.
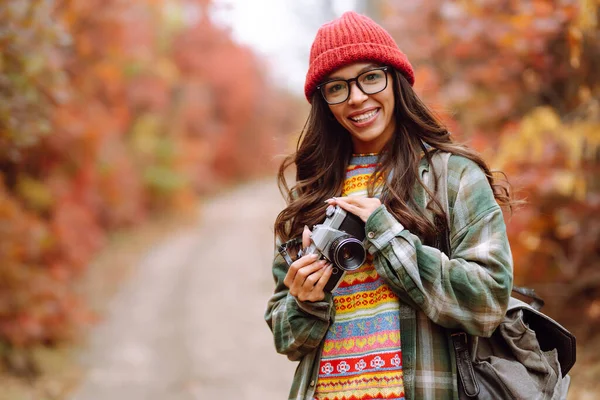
x=339 y=239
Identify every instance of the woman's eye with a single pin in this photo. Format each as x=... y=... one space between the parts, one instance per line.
x=372 y=76
x=335 y=88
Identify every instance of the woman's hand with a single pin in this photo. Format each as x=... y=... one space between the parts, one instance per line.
x=362 y=207
x=307 y=276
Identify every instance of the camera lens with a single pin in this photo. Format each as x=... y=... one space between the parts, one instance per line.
x=347 y=252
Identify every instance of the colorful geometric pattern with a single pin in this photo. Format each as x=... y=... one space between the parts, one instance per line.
x=362 y=357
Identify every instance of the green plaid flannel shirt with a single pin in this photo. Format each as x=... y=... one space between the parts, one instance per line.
x=470 y=291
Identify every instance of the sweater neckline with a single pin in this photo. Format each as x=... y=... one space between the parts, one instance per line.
x=364 y=158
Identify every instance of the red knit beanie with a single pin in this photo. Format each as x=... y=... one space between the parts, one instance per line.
x=352 y=38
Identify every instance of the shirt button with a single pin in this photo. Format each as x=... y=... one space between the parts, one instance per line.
x=371 y=235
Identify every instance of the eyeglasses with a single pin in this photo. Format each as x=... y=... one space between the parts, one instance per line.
x=337 y=91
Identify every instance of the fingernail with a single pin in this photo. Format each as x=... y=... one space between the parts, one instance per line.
x=306 y=227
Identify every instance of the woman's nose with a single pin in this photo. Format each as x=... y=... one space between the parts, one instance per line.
x=357 y=96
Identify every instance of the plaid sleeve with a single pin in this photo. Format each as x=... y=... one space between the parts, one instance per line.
x=298 y=327
x=470 y=291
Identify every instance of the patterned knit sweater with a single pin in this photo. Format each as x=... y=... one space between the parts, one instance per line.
x=362 y=358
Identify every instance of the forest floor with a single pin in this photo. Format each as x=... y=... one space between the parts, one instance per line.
x=182 y=305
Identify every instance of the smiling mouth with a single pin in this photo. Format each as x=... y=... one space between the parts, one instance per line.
x=364 y=117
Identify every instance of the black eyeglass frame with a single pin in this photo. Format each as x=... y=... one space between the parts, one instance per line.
x=355 y=79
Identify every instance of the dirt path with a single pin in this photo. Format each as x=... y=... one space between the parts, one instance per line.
x=189 y=324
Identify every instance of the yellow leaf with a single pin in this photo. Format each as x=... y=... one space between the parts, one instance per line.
x=564 y=182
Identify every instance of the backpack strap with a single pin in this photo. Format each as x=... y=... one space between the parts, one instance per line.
x=536 y=302
x=440 y=163
x=437 y=183
x=439 y=186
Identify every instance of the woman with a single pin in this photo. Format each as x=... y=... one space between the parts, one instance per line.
x=366 y=147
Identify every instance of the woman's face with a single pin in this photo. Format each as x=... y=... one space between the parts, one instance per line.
x=369 y=118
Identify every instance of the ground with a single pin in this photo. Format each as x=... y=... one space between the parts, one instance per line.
x=189 y=323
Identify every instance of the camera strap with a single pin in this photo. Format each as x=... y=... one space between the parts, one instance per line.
x=283 y=249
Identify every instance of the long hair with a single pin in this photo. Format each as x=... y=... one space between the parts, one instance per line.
x=324 y=150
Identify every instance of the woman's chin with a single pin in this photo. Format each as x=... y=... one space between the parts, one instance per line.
x=370 y=141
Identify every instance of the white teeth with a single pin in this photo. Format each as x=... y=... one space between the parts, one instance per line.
x=363 y=117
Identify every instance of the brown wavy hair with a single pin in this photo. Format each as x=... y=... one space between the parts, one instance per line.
x=324 y=149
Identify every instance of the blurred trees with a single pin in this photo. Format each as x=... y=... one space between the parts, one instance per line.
x=110 y=110
x=521 y=79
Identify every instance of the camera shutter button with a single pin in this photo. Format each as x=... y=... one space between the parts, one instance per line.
x=371 y=235
x=330 y=211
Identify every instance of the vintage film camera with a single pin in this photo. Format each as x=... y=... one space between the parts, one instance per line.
x=339 y=239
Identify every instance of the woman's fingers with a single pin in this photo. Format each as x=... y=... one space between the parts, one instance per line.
x=312 y=289
x=362 y=207
x=355 y=200
x=306 y=237
x=360 y=202
x=342 y=202
x=347 y=205
x=297 y=266
x=301 y=275
x=312 y=279
x=327 y=271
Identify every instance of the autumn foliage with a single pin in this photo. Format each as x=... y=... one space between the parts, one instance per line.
x=519 y=81
x=109 y=111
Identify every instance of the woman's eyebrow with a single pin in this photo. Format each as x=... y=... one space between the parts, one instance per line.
x=366 y=68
